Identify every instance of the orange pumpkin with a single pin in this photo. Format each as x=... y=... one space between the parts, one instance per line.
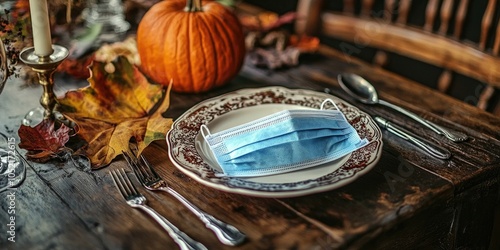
x=198 y=45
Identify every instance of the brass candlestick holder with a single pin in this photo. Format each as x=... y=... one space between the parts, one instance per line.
x=45 y=67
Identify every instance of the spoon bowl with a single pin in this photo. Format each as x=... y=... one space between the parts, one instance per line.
x=359 y=88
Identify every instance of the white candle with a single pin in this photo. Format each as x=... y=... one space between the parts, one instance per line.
x=41 y=27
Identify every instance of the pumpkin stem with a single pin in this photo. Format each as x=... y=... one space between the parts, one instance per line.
x=193 y=6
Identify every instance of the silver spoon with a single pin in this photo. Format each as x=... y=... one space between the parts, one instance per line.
x=363 y=91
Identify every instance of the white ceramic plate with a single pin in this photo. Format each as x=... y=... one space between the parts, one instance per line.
x=189 y=152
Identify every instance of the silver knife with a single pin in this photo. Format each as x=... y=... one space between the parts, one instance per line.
x=434 y=150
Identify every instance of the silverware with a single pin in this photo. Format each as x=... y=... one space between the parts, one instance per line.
x=227 y=234
x=434 y=150
x=137 y=200
x=363 y=91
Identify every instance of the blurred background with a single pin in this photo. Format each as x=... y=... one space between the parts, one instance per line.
x=68 y=15
x=462 y=88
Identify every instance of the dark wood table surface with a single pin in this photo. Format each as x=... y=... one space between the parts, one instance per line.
x=409 y=200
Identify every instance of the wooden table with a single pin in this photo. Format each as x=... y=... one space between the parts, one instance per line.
x=408 y=200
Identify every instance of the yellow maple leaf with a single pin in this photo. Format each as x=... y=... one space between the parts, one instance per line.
x=116 y=107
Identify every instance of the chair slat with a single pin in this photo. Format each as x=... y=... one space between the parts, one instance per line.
x=485 y=97
x=430 y=14
x=308 y=17
x=444 y=81
x=403 y=10
x=460 y=17
x=496 y=45
x=487 y=93
x=446 y=77
x=486 y=23
x=446 y=10
x=389 y=10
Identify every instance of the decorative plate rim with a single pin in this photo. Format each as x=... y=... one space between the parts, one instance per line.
x=184 y=156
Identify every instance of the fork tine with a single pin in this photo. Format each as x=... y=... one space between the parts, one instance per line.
x=139 y=170
x=118 y=183
x=137 y=200
x=149 y=167
x=146 y=170
x=226 y=233
x=123 y=183
x=129 y=186
x=133 y=164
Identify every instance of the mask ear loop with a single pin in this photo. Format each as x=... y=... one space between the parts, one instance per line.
x=205 y=132
x=330 y=101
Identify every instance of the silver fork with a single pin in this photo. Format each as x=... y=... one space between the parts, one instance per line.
x=137 y=200
x=227 y=234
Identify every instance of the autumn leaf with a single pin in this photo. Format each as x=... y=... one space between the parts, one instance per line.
x=43 y=142
x=304 y=43
x=266 y=21
x=116 y=107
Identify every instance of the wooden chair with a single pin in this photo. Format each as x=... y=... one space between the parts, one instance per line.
x=438 y=40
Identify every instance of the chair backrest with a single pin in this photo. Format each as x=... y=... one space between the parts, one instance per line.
x=434 y=36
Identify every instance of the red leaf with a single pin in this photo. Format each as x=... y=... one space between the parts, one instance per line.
x=43 y=140
x=77 y=68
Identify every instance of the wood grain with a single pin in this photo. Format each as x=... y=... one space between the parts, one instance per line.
x=43 y=220
x=409 y=200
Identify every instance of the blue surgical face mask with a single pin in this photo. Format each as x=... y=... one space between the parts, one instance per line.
x=282 y=142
